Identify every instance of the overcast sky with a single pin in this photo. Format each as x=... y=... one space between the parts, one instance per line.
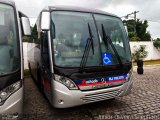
x=148 y=9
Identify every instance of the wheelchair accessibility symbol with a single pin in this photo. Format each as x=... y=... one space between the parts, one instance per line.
x=107 y=58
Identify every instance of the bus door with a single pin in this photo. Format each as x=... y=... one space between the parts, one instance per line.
x=46 y=74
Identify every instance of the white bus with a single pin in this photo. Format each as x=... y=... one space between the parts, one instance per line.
x=79 y=56
x=11 y=58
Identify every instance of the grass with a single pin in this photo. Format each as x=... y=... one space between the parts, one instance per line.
x=26 y=73
x=149 y=62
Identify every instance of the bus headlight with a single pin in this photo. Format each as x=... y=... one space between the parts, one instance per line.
x=66 y=81
x=5 y=93
x=129 y=75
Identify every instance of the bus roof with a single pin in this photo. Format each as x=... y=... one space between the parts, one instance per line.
x=79 y=9
x=10 y=2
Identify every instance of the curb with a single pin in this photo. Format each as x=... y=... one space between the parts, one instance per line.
x=149 y=65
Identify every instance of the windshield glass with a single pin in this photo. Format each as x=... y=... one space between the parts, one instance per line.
x=8 y=40
x=114 y=29
x=69 y=33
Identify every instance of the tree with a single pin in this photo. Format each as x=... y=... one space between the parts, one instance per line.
x=133 y=37
x=131 y=34
x=130 y=25
x=34 y=36
x=139 y=28
x=156 y=43
x=25 y=39
x=139 y=52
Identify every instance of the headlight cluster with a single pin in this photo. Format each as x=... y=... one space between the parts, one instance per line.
x=129 y=75
x=5 y=93
x=66 y=81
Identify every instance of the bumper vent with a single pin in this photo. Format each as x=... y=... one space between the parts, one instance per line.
x=101 y=96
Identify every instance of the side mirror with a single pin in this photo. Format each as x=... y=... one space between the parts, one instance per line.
x=45 y=21
x=25 y=26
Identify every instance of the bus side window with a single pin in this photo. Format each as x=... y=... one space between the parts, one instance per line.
x=45 y=49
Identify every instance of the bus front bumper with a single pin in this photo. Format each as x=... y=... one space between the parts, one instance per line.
x=64 y=98
x=13 y=105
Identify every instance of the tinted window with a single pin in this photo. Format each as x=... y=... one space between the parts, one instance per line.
x=9 y=55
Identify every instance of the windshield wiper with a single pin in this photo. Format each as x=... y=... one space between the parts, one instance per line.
x=107 y=40
x=89 y=44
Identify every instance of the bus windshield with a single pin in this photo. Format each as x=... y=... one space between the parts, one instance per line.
x=9 y=60
x=69 y=33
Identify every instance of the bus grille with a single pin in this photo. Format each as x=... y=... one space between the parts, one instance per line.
x=101 y=96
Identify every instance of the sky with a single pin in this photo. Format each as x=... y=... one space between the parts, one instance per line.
x=148 y=9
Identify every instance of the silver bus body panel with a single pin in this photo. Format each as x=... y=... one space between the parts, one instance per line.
x=64 y=98
x=50 y=52
x=20 y=41
x=77 y=9
x=9 y=2
x=14 y=104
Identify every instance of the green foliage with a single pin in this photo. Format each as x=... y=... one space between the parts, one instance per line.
x=25 y=39
x=26 y=73
x=140 y=27
x=141 y=30
x=156 y=43
x=34 y=35
x=140 y=52
x=146 y=37
x=130 y=25
x=135 y=38
x=131 y=34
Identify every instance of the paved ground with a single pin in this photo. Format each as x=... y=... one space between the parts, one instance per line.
x=143 y=103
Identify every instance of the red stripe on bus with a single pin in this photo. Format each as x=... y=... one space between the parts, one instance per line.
x=46 y=84
x=101 y=83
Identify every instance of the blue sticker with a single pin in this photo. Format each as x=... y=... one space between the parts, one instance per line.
x=107 y=58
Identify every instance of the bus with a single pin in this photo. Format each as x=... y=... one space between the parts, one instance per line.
x=11 y=58
x=79 y=56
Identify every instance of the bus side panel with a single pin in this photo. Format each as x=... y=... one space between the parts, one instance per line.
x=34 y=51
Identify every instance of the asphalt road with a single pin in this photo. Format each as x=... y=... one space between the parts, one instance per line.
x=142 y=103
